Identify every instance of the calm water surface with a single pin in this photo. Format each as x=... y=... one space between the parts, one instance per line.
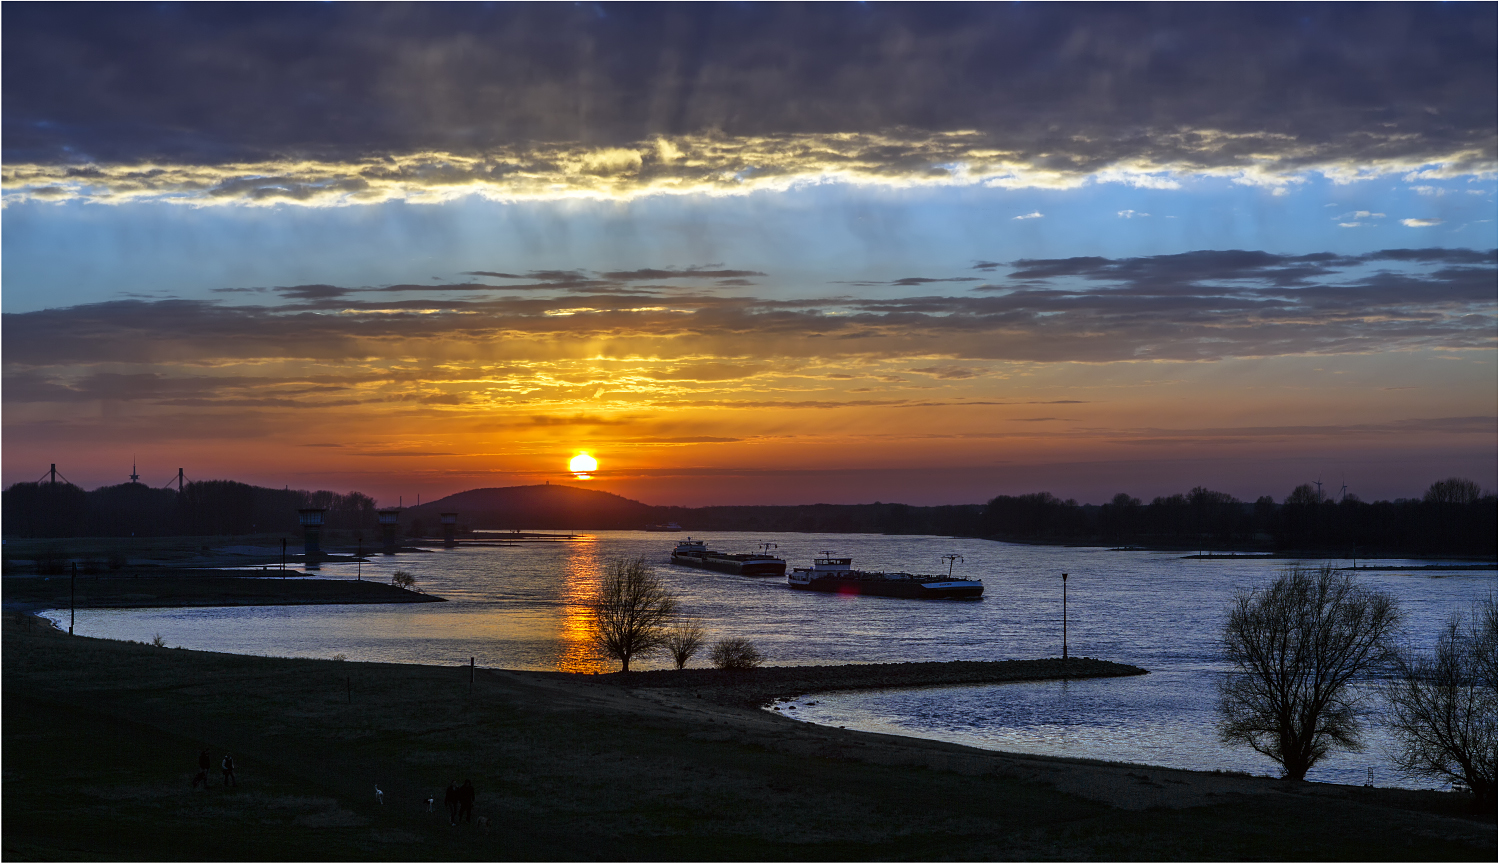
x=521 y=607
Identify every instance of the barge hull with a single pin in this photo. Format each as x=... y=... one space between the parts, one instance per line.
x=736 y=568
x=893 y=588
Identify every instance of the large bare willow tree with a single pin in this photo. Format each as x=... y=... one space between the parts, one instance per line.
x=1443 y=707
x=629 y=614
x=1296 y=647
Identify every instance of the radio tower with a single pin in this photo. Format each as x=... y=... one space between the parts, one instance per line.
x=134 y=477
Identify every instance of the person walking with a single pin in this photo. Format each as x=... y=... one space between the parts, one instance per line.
x=466 y=801
x=227 y=766
x=450 y=800
x=203 y=765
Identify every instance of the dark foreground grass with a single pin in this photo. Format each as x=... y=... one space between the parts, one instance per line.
x=101 y=741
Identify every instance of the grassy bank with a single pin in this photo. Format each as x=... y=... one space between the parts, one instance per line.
x=101 y=740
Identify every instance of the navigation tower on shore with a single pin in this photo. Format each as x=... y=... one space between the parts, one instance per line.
x=312 y=531
x=390 y=521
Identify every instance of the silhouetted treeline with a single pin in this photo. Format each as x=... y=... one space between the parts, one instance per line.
x=1452 y=518
x=213 y=507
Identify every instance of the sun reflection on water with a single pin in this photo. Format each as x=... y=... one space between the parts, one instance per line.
x=580 y=581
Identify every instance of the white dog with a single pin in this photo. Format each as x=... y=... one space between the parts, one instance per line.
x=482 y=823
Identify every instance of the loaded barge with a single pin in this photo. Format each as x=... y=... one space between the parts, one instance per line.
x=838 y=576
x=694 y=553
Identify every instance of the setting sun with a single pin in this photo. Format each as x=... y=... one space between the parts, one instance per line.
x=582 y=465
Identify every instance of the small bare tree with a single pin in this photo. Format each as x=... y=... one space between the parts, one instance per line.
x=1443 y=706
x=735 y=654
x=684 y=640
x=629 y=614
x=1296 y=646
x=403 y=579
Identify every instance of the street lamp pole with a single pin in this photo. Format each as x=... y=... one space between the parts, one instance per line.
x=1065 y=616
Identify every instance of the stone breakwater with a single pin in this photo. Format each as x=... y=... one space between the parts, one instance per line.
x=763 y=685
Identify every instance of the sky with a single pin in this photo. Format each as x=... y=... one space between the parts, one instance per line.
x=752 y=253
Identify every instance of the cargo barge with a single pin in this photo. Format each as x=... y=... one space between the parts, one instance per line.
x=838 y=576
x=695 y=553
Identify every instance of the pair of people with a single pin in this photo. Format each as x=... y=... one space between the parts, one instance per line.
x=460 y=802
x=227 y=766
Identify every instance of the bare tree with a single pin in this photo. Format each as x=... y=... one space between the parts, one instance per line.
x=629 y=614
x=1454 y=490
x=1443 y=706
x=684 y=640
x=1296 y=646
x=735 y=654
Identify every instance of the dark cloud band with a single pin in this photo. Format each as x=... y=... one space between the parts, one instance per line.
x=350 y=102
x=1196 y=306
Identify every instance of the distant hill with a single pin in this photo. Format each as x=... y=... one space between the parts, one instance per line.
x=559 y=507
x=527 y=507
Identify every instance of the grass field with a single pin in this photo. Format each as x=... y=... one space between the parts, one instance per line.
x=101 y=741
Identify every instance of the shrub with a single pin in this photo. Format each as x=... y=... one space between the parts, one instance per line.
x=684 y=640
x=734 y=654
x=403 y=579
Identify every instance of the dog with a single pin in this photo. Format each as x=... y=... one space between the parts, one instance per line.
x=379 y=795
x=482 y=823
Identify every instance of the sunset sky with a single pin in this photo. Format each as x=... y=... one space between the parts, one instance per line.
x=748 y=253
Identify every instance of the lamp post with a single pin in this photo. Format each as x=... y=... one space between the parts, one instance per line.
x=1065 y=616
